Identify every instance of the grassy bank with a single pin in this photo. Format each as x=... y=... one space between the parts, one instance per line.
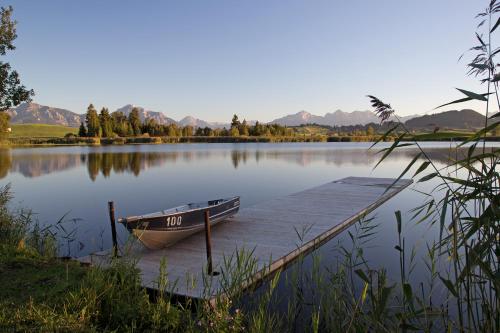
x=50 y=135
x=73 y=140
x=28 y=141
x=43 y=293
x=40 y=131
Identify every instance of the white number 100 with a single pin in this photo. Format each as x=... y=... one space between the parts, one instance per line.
x=173 y=221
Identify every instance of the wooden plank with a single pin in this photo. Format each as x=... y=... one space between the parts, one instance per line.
x=268 y=230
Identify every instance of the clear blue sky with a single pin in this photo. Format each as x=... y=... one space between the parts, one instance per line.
x=260 y=59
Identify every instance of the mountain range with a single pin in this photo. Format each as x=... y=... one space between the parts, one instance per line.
x=40 y=114
x=160 y=117
x=32 y=113
x=195 y=122
x=337 y=118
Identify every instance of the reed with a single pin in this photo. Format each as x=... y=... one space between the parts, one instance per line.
x=464 y=204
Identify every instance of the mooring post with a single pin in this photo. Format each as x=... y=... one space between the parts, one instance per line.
x=208 y=241
x=111 y=208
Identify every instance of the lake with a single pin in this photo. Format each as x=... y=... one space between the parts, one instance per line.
x=75 y=183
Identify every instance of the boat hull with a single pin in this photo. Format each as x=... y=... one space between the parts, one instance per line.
x=163 y=230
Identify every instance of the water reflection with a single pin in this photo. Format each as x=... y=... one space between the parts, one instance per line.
x=32 y=165
x=36 y=163
x=105 y=163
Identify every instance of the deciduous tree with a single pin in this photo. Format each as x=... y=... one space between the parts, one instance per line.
x=235 y=131
x=12 y=92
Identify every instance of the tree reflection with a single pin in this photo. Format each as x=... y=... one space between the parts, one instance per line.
x=35 y=163
x=129 y=162
x=5 y=162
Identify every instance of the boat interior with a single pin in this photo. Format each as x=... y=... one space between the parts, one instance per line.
x=180 y=209
x=190 y=206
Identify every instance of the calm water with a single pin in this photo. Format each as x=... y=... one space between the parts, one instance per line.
x=77 y=183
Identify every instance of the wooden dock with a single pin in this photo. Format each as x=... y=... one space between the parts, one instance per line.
x=269 y=230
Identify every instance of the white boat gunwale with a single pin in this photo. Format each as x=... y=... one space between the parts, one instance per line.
x=177 y=212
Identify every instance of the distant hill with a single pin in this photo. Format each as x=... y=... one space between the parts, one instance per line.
x=464 y=119
x=341 y=118
x=337 y=118
x=160 y=117
x=32 y=113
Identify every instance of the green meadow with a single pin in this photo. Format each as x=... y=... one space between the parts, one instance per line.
x=40 y=130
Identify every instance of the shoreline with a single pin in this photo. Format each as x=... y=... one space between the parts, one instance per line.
x=89 y=141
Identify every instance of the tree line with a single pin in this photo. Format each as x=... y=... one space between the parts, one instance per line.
x=369 y=129
x=106 y=124
x=117 y=124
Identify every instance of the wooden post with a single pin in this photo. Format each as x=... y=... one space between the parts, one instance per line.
x=111 y=208
x=208 y=241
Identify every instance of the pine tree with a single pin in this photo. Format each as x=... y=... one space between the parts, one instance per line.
x=120 y=123
x=199 y=132
x=172 y=130
x=82 y=131
x=258 y=129
x=106 y=123
x=135 y=122
x=370 y=130
x=151 y=127
x=93 y=126
x=244 y=128
x=187 y=130
x=235 y=122
x=207 y=131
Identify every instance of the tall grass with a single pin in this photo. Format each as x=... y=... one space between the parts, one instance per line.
x=466 y=202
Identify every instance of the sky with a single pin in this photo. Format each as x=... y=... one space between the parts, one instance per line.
x=260 y=59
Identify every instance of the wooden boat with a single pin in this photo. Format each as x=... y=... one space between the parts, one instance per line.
x=162 y=229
